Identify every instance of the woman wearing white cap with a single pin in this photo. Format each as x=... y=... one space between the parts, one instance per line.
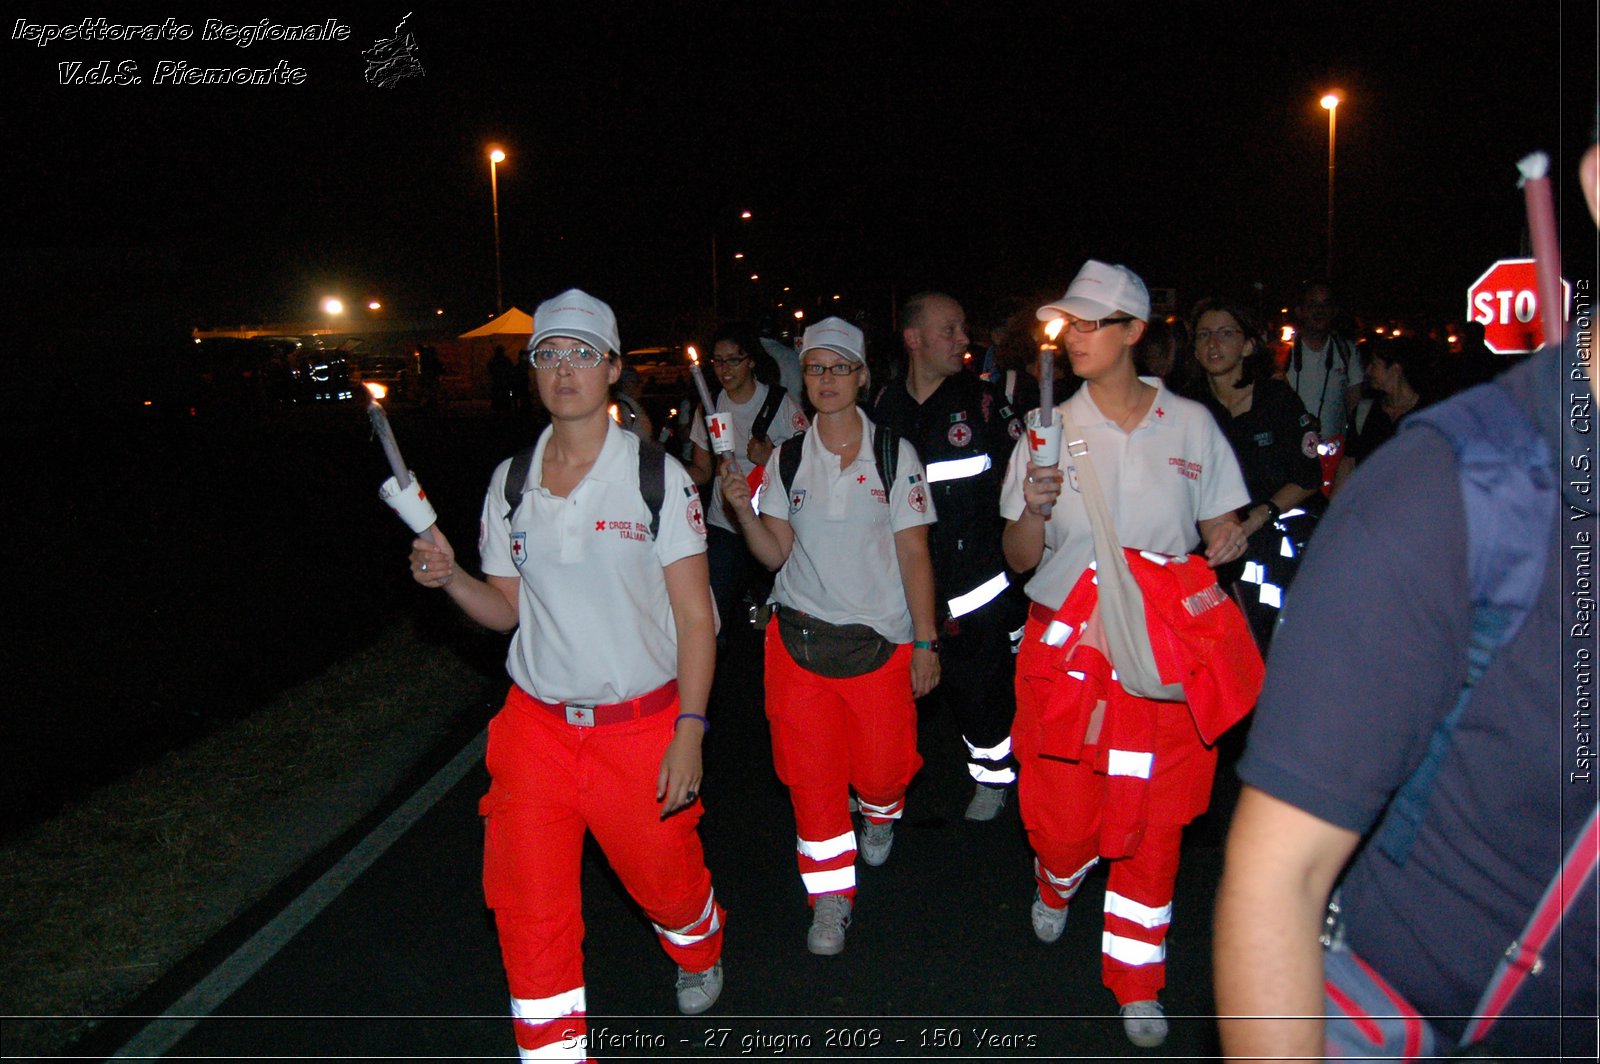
x=606 y=741
x=845 y=526
x=1172 y=484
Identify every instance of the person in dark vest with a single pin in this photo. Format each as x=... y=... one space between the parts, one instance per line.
x=964 y=430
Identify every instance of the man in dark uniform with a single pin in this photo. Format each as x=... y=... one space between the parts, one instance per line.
x=964 y=431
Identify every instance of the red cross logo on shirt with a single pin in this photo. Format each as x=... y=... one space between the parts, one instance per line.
x=599 y=526
x=861 y=478
x=1160 y=412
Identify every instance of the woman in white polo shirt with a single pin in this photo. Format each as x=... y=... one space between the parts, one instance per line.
x=850 y=550
x=1172 y=484
x=601 y=740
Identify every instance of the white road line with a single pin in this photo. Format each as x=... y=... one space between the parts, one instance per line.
x=164 y=1032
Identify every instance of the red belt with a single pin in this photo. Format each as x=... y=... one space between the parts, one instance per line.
x=1041 y=613
x=585 y=715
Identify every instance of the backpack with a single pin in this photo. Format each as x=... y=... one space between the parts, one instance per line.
x=886 y=458
x=768 y=411
x=1510 y=497
x=652 y=479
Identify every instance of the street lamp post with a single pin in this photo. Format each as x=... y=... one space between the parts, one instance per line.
x=1331 y=102
x=496 y=156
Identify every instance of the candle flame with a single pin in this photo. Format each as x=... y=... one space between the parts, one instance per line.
x=694 y=356
x=1053 y=329
x=616 y=415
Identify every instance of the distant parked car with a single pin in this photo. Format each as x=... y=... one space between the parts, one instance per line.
x=661 y=369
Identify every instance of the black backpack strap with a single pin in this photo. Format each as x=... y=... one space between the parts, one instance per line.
x=887 y=457
x=653 y=479
x=789 y=460
x=768 y=411
x=517 y=478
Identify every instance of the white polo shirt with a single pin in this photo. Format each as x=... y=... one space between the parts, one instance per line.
x=843 y=567
x=787 y=421
x=1174 y=469
x=593 y=620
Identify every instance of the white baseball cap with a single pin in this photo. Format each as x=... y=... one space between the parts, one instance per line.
x=1101 y=290
x=838 y=336
x=577 y=314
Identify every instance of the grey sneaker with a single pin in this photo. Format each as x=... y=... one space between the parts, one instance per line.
x=876 y=840
x=698 y=991
x=830 y=916
x=1145 y=1023
x=986 y=802
x=1048 y=923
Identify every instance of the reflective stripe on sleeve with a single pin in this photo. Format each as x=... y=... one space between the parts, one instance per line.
x=1131 y=951
x=826 y=849
x=1138 y=912
x=1129 y=763
x=958 y=468
x=981 y=595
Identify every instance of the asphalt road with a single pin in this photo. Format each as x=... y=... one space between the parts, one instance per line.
x=941 y=962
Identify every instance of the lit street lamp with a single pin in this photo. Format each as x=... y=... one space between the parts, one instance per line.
x=716 y=286
x=1331 y=102
x=496 y=156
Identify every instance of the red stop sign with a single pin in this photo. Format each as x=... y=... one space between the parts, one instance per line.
x=1505 y=301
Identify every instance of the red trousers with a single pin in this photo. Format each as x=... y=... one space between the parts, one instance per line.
x=829 y=736
x=1062 y=802
x=552 y=782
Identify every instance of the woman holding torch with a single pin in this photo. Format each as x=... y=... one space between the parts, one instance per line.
x=612 y=660
x=1171 y=484
x=844 y=524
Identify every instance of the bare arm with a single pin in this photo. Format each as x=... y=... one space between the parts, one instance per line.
x=689 y=591
x=1285 y=498
x=770 y=540
x=1224 y=539
x=1280 y=867
x=1023 y=540
x=701 y=466
x=492 y=602
x=916 y=573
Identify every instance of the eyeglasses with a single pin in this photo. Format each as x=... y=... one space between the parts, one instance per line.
x=838 y=369
x=1226 y=334
x=1089 y=325
x=576 y=357
x=734 y=361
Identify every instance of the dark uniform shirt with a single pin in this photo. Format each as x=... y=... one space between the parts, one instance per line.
x=965 y=418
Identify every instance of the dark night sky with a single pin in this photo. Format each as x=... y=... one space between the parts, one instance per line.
x=982 y=148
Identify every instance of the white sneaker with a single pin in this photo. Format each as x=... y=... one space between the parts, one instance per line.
x=830 y=916
x=875 y=842
x=1145 y=1023
x=698 y=991
x=986 y=802
x=1048 y=923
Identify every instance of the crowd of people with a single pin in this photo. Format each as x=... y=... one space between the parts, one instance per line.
x=912 y=535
